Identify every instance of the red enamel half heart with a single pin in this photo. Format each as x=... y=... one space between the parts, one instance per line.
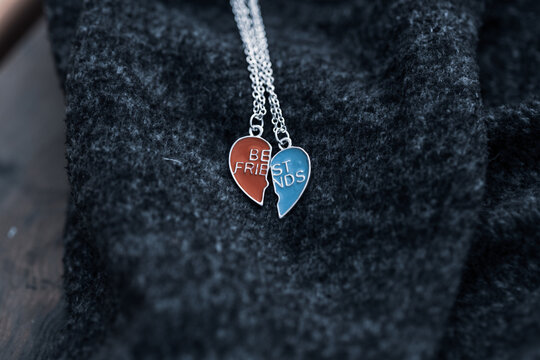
x=249 y=162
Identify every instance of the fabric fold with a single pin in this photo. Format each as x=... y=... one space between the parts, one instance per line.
x=373 y=263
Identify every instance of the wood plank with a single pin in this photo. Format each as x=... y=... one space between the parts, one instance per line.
x=16 y=16
x=33 y=197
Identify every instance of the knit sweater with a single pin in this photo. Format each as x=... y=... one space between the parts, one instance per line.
x=418 y=236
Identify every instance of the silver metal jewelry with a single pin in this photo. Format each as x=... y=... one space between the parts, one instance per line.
x=291 y=167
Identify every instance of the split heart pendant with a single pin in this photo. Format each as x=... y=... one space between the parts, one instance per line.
x=250 y=161
x=291 y=169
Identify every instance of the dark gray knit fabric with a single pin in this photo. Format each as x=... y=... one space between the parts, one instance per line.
x=417 y=237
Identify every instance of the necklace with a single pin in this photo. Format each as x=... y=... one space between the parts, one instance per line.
x=250 y=156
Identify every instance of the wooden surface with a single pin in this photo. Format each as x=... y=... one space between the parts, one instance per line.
x=15 y=18
x=33 y=196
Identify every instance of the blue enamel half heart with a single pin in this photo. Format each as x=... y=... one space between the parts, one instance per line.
x=291 y=169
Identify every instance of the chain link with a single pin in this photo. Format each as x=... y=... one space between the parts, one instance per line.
x=244 y=23
x=250 y=25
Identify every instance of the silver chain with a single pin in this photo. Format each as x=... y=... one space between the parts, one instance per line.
x=250 y=25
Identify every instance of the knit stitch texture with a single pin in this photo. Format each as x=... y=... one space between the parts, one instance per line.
x=417 y=237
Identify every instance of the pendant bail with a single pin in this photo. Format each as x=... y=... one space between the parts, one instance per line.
x=256 y=129
x=259 y=130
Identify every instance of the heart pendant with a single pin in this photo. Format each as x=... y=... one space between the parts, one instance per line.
x=291 y=169
x=249 y=161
